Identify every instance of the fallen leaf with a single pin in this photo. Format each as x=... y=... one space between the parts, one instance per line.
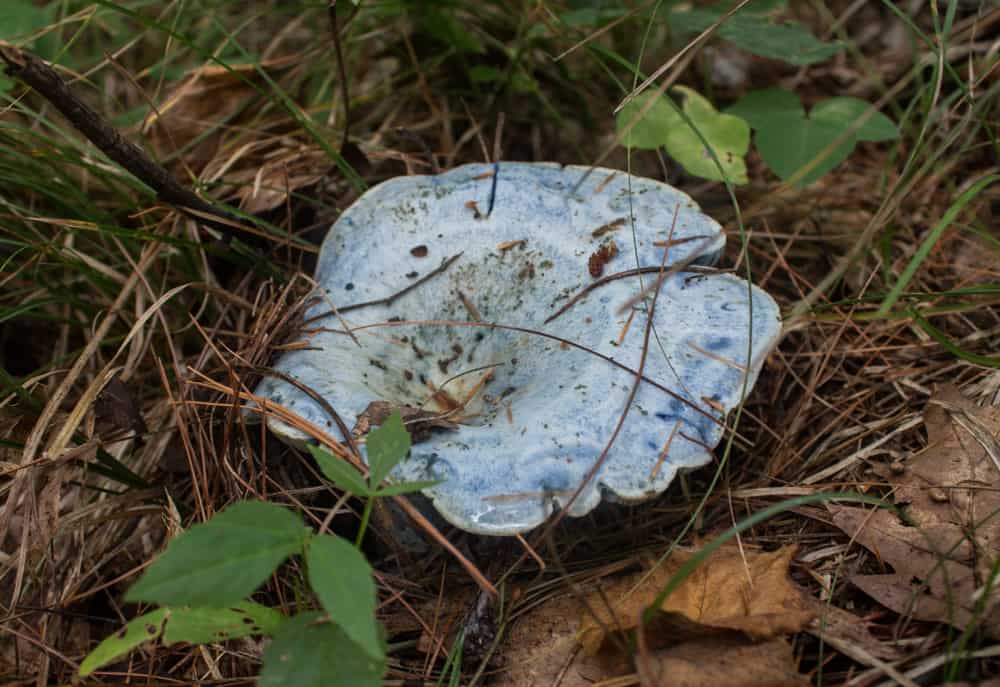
x=942 y=556
x=729 y=661
x=849 y=634
x=730 y=603
x=542 y=649
x=201 y=128
x=193 y=118
x=420 y=423
x=117 y=410
x=728 y=591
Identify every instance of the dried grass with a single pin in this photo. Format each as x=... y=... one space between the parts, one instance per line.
x=842 y=392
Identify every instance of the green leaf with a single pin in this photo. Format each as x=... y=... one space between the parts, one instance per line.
x=786 y=150
x=761 y=108
x=482 y=73
x=220 y=562
x=788 y=139
x=752 y=30
x=18 y=20
x=662 y=125
x=386 y=446
x=652 y=128
x=406 y=487
x=342 y=579
x=848 y=110
x=145 y=628
x=21 y=18
x=310 y=653
x=203 y=625
x=449 y=31
x=791 y=42
x=340 y=472
x=726 y=135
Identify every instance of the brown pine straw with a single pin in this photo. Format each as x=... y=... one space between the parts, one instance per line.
x=267 y=407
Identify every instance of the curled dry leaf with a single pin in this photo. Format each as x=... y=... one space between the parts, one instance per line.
x=721 y=626
x=201 y=127
x=728 y=661
x=941 y=558
x=117 y=409
x=752 y=595
x=187 y=120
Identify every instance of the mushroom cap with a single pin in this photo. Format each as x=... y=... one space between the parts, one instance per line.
x=536 y=402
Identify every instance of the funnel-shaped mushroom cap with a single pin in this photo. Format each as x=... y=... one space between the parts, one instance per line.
x=535 y=401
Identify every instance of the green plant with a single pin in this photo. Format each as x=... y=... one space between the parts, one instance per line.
x=19 y=21
x=755 y=30
x=206 y=574
x=658 y=121
x=794 y=144
x=706 y=143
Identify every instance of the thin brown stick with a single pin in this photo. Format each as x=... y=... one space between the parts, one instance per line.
x=37 y=74
x=663 y=276
x=572 y=344
x=341 y=70
x=389 y=300
x=700 y=269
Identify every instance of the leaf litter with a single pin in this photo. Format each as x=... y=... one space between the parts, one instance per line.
x=944 y=550
x=735 y=607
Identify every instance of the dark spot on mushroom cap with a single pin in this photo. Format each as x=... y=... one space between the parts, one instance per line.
x=419 y=251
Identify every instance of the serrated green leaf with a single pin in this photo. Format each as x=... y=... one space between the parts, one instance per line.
x=386 y=446
x=342 y=579
x=406 y=488
x=205 y=625
x=752 y=30
x=652 y=129
x=727 y=136
x=340 y=472
x=145 y=628
x=847 y=110
x=222 y=561
x=310 y=653
x=791 y=42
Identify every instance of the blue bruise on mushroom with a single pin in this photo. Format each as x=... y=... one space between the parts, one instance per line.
x=534 y=413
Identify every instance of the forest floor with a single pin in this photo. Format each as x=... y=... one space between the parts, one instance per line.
x=130 y=327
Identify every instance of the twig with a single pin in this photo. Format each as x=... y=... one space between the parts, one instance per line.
x=341 y=70
x=37 y=74
x=389 y=300
x=700 y=269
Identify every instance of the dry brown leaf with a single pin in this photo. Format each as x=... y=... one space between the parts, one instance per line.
x=849 y=634
x=206 y=100
x=750 y=594
x=541 y=649
x=728 y=661
x=210 y=125
x=117 y=409
x=942 y=560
